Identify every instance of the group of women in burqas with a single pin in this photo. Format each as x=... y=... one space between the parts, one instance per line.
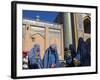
x=51 y=58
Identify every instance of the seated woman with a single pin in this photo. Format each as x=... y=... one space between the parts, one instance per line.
x=73 y=54
x=51 y=59
x=34 y=58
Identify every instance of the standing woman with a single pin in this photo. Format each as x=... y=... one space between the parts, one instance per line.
x=88 y=43
x=51 y=59
x=83 y=53
x=34 y=58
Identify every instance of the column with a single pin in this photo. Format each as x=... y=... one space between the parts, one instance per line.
x=46 y=37
x=67 y=30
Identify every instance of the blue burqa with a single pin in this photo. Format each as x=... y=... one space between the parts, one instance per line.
x=83 y=53
x=51 y=57
x=34 y=57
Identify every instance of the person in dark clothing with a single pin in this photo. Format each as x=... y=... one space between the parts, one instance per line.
x=73 y=51
x=71 y=57
x=83 y=53
x=88 y=42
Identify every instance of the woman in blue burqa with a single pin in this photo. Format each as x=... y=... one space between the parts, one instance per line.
x=51 y=59
x=34 y=58
x=83 y=53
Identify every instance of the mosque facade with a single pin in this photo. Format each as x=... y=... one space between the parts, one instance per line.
x=66 y=29
x=44 y=34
